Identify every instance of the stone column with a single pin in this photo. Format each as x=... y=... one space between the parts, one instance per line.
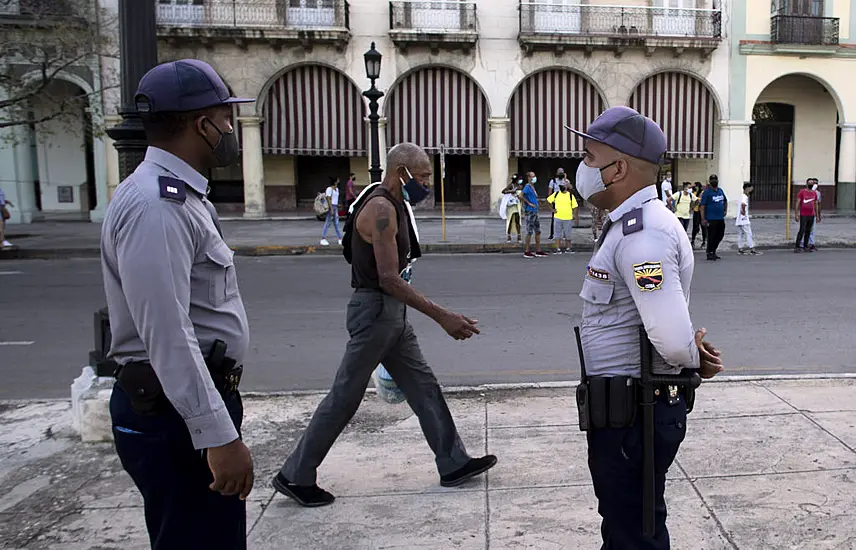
x=846 y=184
x=733 y=160
x=99 y=153
x=19 y=173
x=111 y=157
x=498 y=150
x=254 y=173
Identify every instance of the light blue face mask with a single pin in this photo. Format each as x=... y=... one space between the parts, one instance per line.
x=535 y=179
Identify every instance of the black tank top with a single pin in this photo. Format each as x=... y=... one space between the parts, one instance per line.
x=363 y=265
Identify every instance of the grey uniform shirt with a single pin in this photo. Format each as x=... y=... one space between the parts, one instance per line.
x=642 y=277
x=172 y=290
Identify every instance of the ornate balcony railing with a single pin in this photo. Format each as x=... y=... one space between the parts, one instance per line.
x=255 y=14
x=547 y=17
x=436 y=16
x=804 y=30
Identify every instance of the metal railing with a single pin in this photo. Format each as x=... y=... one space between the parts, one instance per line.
x=619 y=21
x=256 y=14
x=804 y=29
x=439 y=15
x=43 y=8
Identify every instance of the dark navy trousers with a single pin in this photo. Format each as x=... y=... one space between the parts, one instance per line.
x=615 y=462
x=181 y=511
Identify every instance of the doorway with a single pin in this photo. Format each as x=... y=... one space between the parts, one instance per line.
x=458 y=177
x=768 y=151
x=545 y=169
x=314 y=173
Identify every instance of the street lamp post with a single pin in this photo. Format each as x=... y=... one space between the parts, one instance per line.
x=137 y=54
x=372 y=59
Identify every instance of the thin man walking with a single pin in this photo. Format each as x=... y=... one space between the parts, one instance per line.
x=383 y=243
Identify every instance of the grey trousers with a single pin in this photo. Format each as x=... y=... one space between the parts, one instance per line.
x=380 y=333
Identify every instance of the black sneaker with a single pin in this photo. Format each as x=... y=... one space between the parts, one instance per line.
x=472 y=468
x=797 y=250
x=310 y=496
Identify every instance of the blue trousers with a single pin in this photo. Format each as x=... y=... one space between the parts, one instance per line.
x=181 y=511
x=615 y=462
x=334 y=218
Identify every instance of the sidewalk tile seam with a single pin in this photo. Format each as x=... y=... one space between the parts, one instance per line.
x=486 y=404
x=765 y=474
x=735 y=416
x=813 y=421
x=708 y=507
x=437 y=491
x=265 y=506
x=530 y=426
x=547 y=486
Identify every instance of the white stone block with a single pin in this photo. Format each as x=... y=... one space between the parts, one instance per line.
x=90 y=406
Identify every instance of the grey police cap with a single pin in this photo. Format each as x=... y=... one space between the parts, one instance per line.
x=629 y=132
x=181 y=86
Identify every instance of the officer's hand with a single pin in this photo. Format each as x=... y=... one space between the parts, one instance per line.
x=709 y=357
x=458 y=326
x=232 y=467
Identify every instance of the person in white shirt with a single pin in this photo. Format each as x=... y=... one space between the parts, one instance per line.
x=4 y=214
x=666 y=189
x=332 y=194
x=744 y=226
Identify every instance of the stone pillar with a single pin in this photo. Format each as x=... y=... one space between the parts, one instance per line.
x=845 y=187
x=254 y=173
x=498 y=150
x=733 y=160
x=111 y=158
x=99 y=158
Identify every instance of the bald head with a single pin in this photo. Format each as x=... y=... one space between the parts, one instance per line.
x=406 y=160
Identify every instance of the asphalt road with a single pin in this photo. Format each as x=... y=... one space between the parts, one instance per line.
x=780 y=313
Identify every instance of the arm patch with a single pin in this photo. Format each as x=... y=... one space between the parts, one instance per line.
x=631 y=222
x=172 y=189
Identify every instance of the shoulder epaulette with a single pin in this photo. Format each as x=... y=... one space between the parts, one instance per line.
x=631 y=222
x=172 y=189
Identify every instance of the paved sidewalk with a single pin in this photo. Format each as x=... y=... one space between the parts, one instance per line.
x=463 y=234
x=766 y=465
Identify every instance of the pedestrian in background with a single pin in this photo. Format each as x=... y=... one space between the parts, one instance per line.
x=714 y=208
x=683 y=202
x=698 y=189
x=4 y=215
x=805 y=211
x=553 y=187
x=350 y=191
x=178 y=324
x=666 y=190
x=811 y=245
x=564 y=206
x=510 y=207
x=332 y=194
x=744 y=225
x=531 y=219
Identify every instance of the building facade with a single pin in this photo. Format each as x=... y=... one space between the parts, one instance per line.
x=493 y=83
x=792 y=62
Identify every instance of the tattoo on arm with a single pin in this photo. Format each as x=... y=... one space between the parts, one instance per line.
x=382 y=223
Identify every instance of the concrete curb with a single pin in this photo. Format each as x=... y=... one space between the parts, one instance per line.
x=317 y=250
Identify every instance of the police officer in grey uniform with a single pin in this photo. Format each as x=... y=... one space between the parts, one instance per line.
x=640 y=274
x=179 y=329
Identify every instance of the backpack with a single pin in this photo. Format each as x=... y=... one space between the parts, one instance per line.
x=321 y=205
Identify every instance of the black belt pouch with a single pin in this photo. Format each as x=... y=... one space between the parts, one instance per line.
x=622 y=402
x=598 y=402
x=140 y=382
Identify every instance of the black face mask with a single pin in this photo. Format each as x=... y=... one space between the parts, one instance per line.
x=413 y=191
x=226 y=150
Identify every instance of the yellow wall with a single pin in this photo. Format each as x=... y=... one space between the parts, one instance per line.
x=841 y=9
x=693 y=170
x=814 y=125
x=360 y=167
x=757 y=16
x=479 y=170
x=279 y=170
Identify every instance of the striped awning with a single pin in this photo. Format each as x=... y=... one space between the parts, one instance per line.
x=314 y=110
x=438 y=105
x=543 y=104
x=684 y=108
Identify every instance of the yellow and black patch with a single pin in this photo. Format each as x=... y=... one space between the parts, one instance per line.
x=648 y=275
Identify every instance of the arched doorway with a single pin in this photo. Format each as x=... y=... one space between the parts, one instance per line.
x=63 y=152
x=442 y=106
x=313 y=127
x=541 y=106
x=800 y=109
x=686 y=110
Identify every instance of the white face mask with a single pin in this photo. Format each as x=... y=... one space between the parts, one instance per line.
x=814 y=187
x=534 y=180
x=589 y=181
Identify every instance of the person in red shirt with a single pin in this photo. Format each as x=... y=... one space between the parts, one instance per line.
x=805 y=211
x=350 y=191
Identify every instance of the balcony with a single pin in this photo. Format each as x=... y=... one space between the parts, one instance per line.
x=44 y=13
x=803 y=30
x=275 y=22
x=557 y=26
x=449 y=24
